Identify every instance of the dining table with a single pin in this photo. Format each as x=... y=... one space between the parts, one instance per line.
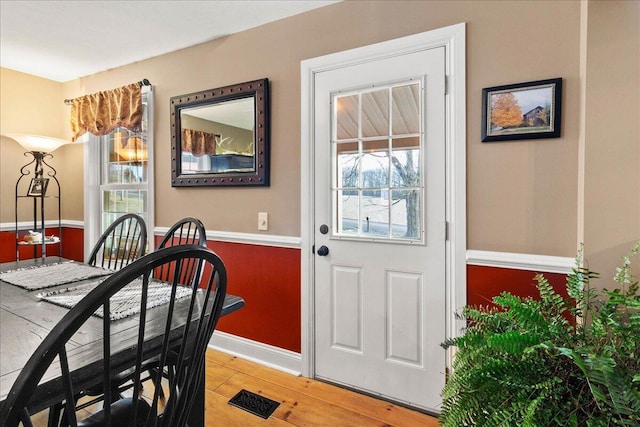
x=26 y=318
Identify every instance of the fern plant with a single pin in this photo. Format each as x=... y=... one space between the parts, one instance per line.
x=550 y=361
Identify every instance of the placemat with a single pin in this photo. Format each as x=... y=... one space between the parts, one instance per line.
x=49 y=275
x=124 y=303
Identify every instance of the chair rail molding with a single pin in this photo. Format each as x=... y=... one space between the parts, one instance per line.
x=292 y=242
x=28 y=225
x=532 y=262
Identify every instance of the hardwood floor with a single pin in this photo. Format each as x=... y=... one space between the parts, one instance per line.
x=303 y=401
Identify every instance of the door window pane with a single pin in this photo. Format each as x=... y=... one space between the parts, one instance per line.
x=406 y=109
x=406 y=162
x=405 y=214
x=375 y=164
x=348 y=159
x=377 y=159
x=348 y=209
x=375 y=212
x=346 y=116
x=375 y=113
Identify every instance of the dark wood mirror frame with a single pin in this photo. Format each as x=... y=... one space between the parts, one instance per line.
x=258 y=175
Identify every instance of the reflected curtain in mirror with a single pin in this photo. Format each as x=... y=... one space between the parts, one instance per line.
x=198 y=142
x=102 y=112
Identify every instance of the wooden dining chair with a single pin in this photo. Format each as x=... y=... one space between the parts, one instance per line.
x=124 y=241
x=186 y=231
x=155 y=336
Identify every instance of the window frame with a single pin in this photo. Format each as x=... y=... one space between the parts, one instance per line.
x=94 y=154
x=360 y=140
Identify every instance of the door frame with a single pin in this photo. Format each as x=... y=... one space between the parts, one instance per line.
x=452 y=38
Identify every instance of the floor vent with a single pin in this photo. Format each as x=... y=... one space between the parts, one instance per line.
x=254 y=403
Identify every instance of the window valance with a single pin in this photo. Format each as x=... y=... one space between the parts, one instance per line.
x=102 y=112
x=198 y=142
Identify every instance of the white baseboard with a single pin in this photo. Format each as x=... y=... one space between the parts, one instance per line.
x=263 y=354
x=537 y=263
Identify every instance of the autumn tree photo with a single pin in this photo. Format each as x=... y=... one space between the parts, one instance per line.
x=505 y=111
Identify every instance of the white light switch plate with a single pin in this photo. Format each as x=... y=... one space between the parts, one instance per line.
x=263 y=221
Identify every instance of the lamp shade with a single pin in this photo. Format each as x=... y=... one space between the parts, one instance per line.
x=43 y=144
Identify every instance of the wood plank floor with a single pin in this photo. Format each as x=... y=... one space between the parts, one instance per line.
x=303 y=401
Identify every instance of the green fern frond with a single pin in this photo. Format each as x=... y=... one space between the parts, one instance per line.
x=523 y=363
x=513 y=342
x=623 y=276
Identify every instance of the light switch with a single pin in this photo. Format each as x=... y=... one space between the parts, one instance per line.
x=263 y=221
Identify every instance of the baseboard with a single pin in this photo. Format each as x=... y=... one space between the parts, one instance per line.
x=537 y=263
x=263 y=354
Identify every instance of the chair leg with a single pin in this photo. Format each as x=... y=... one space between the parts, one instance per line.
x=25 y=417
x=154 y=373
x=54 y=415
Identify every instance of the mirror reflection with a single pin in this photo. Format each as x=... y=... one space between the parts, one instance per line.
x=220 y=136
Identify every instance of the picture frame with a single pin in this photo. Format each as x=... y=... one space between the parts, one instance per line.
x=38 y=187
x=530 y=110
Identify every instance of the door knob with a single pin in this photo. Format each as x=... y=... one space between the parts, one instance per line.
x=323 y=250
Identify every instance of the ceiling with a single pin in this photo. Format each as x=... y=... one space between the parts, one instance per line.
x=65 y=40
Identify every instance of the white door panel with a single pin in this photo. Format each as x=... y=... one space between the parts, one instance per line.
x=380 y=291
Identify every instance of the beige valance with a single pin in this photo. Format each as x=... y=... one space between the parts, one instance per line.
x=198 y=142
x=102 y=112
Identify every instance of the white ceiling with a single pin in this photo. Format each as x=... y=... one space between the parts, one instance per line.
x=65 y=40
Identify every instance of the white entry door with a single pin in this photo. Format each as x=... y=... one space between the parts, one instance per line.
x=380 y=226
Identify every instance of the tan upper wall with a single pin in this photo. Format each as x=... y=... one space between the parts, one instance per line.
x=32 y=105
x=522 y=196
x=612 y=135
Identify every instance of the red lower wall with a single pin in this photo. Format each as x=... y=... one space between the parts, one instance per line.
x=268 y=278
x=72 y=245
x=483 y=283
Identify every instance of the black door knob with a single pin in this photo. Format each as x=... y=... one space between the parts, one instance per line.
x=323 y=250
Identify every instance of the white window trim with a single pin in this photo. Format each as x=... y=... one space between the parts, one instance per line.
x=92 y=194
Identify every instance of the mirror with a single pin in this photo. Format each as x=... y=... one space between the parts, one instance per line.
x=220 y=137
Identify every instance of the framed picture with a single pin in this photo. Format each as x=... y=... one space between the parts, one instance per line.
x=528 y=110
x=38 y=187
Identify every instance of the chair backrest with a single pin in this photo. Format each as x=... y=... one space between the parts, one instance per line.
x=180 y=328
x=187 y=231
x=124 y=241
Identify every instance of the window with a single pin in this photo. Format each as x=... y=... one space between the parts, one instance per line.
x=377 y=140
x=123 y=182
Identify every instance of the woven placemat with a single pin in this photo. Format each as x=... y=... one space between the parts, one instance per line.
x=49 y=275
x=124 y=303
